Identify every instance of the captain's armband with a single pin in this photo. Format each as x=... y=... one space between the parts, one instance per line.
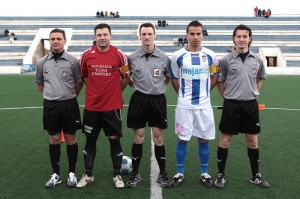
x=125 y=71
x=213 y=69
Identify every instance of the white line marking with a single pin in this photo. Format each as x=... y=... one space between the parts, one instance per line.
x=156 y=190
x=19 y=108
x=284 y=109
x=39 y=107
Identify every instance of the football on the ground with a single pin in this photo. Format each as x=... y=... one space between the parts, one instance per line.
x=126 y=167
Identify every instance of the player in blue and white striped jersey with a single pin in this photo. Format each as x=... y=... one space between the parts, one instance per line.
x=193 y=71
x=194 y=74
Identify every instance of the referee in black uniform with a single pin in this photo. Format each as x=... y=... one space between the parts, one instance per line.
x=151 y=73
x=58 y=78
x=240 y=79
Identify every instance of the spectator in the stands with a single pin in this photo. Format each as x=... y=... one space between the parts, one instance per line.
x=106 y=13
x=111 y=14
x=259 y=12
x=164 y=23
x=12 y=37
x=267 y=14
x=98 y=14
x=5 y=33
x=263 y=12
x=159 y=23
x=256 y=11
x=101 y=14
x=185 y=41
x=180 y=41
x=205 y=33
x=117 y=14
x=269 y=10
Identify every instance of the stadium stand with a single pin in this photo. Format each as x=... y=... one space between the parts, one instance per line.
x=270 y=34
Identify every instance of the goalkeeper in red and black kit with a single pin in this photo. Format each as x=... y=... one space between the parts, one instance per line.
x=101 y=68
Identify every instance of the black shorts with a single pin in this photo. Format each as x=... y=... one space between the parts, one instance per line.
x=145 y=108
x=61 y=115
x=110 y=121
x=240 y=116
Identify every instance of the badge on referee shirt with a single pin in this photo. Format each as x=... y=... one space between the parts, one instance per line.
x=66 y=73
x=157 y=72
x=254 y=71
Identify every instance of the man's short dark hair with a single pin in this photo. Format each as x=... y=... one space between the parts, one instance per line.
x=102 y=26
x=147 y=25
x=194 y=23
x=55 y=30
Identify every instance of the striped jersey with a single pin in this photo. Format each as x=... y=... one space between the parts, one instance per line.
x=193 y=70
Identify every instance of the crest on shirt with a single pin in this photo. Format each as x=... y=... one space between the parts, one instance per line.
x=157 y=72
x=254 y=71
x=203 y=58
x=66 y=73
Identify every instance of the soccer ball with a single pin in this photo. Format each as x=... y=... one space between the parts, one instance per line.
x=126 y=167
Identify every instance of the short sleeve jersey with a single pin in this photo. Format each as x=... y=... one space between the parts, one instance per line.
x=149 y=73
x=240 y=77
x=102 y=69
x=58 y=77
x=193 y=70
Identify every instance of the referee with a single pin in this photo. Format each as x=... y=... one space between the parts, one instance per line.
x=58 y=78
x=239 y=82
x=150 y=69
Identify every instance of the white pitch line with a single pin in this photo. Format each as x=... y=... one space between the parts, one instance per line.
x=37 y=107
x=284 y=109
x=20 y=108
x=156 y=190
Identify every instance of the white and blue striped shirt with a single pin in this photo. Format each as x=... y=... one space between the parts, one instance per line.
x=193 y=70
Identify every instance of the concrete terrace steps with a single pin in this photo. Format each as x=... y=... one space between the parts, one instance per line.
x=205 y=43
x=170 y=32
x=137 y=22
x=282 y=32
x=177 y=22
x=15 y=43
x=177 y=18
x=12 y=55
x=255 y=26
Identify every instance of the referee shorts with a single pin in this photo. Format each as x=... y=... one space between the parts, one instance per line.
x=240 y=117
x=61 y=115
x=145 y=108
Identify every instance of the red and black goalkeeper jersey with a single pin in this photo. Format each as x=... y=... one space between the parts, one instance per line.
x=102 y=69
